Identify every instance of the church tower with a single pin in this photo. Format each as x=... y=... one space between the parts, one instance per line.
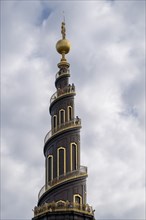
x=64 y=194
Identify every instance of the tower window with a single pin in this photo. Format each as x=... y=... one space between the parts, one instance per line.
x=61 y=161
x=55 y=122
x=50 y=168
x=69 y=113
x=73 y=156
x=62 y=116
x=77 y=199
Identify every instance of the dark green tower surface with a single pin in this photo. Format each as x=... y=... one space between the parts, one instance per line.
x=64 y=194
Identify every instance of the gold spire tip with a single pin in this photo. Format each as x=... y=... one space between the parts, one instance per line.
x=63 y=16
x=63 y=30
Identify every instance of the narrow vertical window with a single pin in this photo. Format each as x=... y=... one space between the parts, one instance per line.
x=55 y=122
x=62 y=116
x=46 y=173
x=69 y=113
x=50 y=168
x=61 y=161
x=73 y=157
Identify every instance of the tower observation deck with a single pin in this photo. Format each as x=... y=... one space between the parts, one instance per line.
x=63 y=195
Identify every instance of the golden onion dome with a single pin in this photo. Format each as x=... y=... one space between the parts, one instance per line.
x=63 y=46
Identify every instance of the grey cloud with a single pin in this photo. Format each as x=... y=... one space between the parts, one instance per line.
x=107 y=68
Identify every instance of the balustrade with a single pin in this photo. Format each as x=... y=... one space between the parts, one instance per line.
x=62 y=71
x=62 y=206
x=60 y=92
x=73 y=123
x=81 y=171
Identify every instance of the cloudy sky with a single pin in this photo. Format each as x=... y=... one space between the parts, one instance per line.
x=107 y=68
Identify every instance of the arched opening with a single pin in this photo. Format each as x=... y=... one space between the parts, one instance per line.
x=61 y=201
x=77 y=199
x=73 y=156
x=61 y=161
x=55 y=122
x=62 y=116
x=50 y=168
x=69 y=113
x=60 y=204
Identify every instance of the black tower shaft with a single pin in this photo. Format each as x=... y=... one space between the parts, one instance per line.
x=65 y=178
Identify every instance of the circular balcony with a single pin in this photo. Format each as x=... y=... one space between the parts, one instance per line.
x=70 y=89
x=63 y=206
x=76 y=122
x=82 y=171
x=62 y=72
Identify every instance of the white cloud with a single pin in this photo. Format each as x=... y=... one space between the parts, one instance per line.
x=107 y=67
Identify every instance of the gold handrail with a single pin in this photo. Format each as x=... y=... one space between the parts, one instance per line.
x=69 y=175
x=64 y=91
x=76 y=122
x=62 y=71
x=63 y=206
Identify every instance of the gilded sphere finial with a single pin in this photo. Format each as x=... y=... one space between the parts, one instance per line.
x=63 y=45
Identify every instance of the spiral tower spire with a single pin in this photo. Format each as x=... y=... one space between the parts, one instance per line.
x=63 y=195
